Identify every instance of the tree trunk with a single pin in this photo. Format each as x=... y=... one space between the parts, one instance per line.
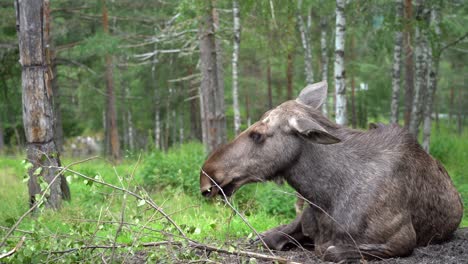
x=353 y=86
x=270 y=94
x=2 y=140
x=33 y=21
x=433 y=75
x=289 y=76
x=396 y=73
x=195 y=129
x=353 y=102
x=305 y=45
x=157 y=118
x=235 y=66
x=409 y=65
x=131 y=132
x=340 y=81
x=452 y=105
x=460 y=112
x=421 y=73
x=212 y=87
x=247 y=110
x=181 y=125
x=111 y=115
x=324 y=60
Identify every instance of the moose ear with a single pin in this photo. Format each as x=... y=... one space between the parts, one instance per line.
x=313 y=95
x=312 y=131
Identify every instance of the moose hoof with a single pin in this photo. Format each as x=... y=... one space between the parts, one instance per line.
x=341 y=255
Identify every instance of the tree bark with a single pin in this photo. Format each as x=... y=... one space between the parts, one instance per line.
x=324 y=58
x=269 y=89
x=340 y=76
x=409 y=64
x=157 y=102
x=2 y=140
x=235 y=66
x=212 y=87
x=131 y=132
x=433 y=76
x=460 y=116
x=396 y=73
x=305 y=40
x=421 y=69
x=289 y=75
x=452 y=105
x=33 y=21
x=111 y=115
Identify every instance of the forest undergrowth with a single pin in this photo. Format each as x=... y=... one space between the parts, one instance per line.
x=152 y=201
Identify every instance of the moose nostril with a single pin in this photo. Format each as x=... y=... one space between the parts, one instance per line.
x=206 y=192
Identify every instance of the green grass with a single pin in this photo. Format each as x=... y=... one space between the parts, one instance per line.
x=210 y=221
x=172 y=180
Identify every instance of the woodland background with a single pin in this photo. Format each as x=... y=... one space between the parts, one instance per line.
x=140 y=83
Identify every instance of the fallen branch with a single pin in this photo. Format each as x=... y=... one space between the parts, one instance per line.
x=11 y=252
x=190 y=244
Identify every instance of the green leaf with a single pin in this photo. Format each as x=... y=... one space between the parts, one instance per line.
x=28 y=165
x=141 y=203
x=37 y=171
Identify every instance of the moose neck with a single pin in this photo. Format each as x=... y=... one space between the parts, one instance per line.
x=323 y=171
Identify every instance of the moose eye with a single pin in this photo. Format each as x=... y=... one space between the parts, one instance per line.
x=256 y=137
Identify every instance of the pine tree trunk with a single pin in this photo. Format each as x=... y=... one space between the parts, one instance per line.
x=409 y=63
x=340 y=81
x=433 y=75
x=324 y=58
x=33 y=20
x=58 y=126
x=235 y=66
x=111 y=114
x=212 y=88
x=396 y=73
x=421 y=69
x=305 y=45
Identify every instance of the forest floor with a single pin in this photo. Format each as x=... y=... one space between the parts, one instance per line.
x=454 y=251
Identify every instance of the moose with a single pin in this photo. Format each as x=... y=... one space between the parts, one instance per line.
x=370 y=194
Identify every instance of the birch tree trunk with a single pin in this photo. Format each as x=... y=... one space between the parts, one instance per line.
x=396 y=73
x=235 y=66
x=421 y=69
x=305 y=45
x=433 y=75
x=32 y=20
x=409 y=61
x=340 y=81
x=212 y=87
x=157 y=118
x=113 y=149
x=324 y=58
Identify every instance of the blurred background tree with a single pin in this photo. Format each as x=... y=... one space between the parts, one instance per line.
x=156 y=67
